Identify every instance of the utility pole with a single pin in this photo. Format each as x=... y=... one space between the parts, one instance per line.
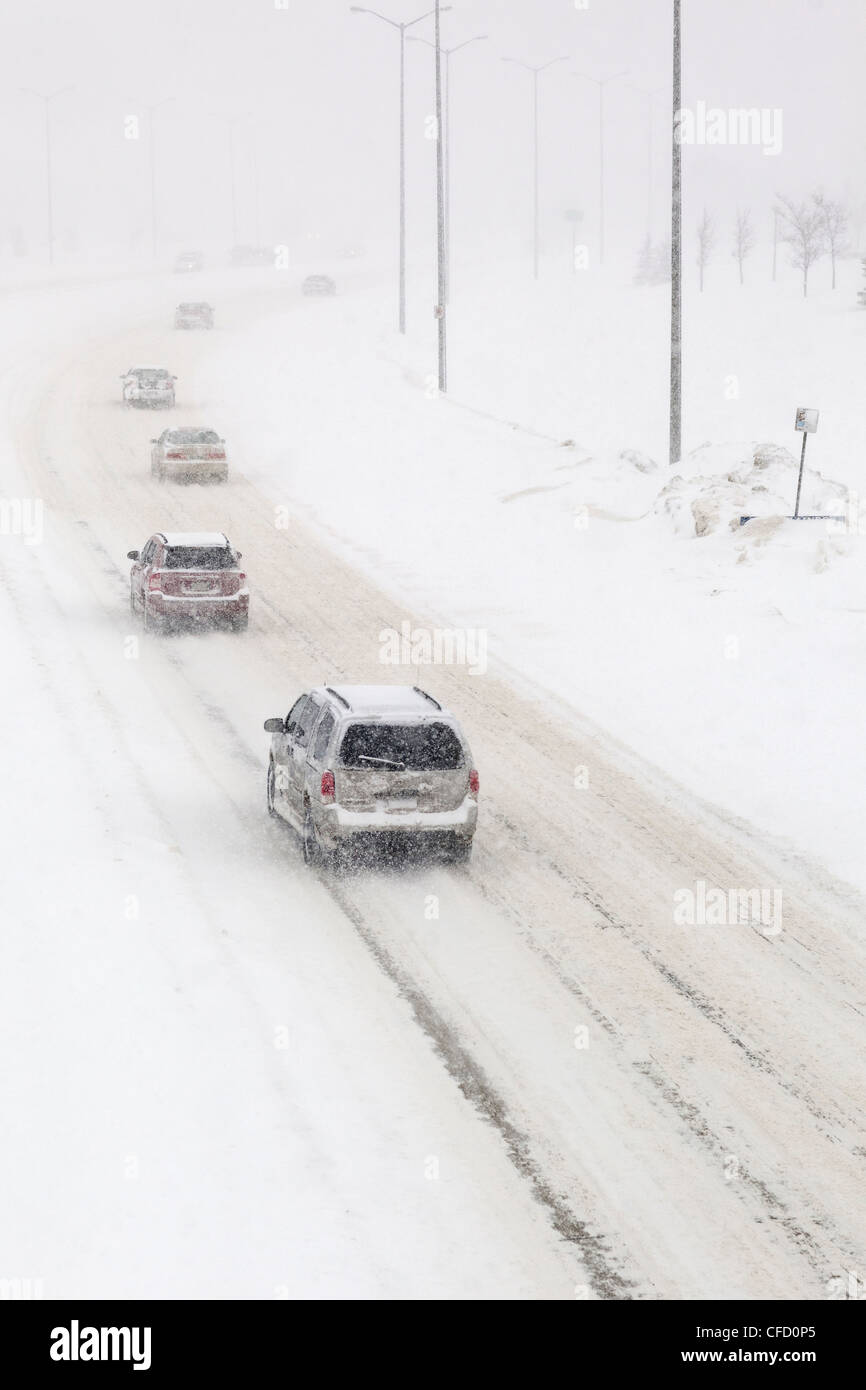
x=401 y=28
x=676 y=385
x=601 y=83
x=47 y=99
x=535 y=215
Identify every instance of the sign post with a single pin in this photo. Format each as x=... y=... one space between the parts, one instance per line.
x=807 y=422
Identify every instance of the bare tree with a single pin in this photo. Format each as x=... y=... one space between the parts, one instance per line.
x=706 y=242
x=801 y=227
x=835 y=224
x=744 y=238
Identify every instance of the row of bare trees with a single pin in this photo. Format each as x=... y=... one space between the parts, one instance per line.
x=810 y=229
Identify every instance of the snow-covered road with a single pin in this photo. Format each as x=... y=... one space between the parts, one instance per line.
x=236 y=1078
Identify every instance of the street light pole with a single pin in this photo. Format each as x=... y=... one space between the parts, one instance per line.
x=676 y=386
x=440 y=217
x=256 y=208
x=395 y=24
x=649 y=93
x=535 y=215
x=448 y=53
x=601 y=83
x=48 y=98
x=150 y=110
x=232 y=122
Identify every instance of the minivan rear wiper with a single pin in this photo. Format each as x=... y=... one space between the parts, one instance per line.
x=383 y=762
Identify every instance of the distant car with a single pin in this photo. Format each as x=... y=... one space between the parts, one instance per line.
x=318 y=285
x=189 y=260
x=387 y=764
x=187 y=578
x=189 y=455
x=193 y=315
x=148 y=386
x=251 y=255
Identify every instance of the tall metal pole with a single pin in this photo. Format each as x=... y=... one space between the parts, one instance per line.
x=49 y=182
x=152 y=148
x=447 y=174
x=649 y=93
x=441 y=308
x=676 y=382
x=448 y=52
x=152 y=183
x=401 y=315
x=47 y=99
x=601 y=83
x=233 y=183
x=601 y=173
x=535 y=213
x=401 y=273
x=535 y=175
x=254 y=160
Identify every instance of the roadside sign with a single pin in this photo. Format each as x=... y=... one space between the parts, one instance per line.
x=806 y=421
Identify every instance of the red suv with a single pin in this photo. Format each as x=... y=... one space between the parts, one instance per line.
x=188 y=577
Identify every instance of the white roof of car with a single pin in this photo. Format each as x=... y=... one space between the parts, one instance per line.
x=162 y=371
x=205 y=538
x=386 y=699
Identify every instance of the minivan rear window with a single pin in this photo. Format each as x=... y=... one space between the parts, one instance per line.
x=420 y=747
x=195 y=557
x=192 y=437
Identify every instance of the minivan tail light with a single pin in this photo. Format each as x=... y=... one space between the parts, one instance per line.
x=328 y=788
x=155 y=581
x=473 y=782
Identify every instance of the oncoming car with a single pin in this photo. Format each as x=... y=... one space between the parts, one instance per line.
x=189 y=455
x=188 y=577
x=189 y=260
x=318 y=285
x=148 y=386
x=358 y=764
x=195 y=314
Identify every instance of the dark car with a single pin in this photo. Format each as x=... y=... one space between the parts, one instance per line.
x=318 y=285
x=188 y=577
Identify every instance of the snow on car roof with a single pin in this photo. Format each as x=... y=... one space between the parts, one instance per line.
x=386 y=699
x=160 y=371
x=203 y=538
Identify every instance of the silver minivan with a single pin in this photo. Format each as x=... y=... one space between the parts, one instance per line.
x=355 y=764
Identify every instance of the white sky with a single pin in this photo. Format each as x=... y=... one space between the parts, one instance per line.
x=316 y=88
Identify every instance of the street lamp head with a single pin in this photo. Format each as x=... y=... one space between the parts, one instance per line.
x=540 y=67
